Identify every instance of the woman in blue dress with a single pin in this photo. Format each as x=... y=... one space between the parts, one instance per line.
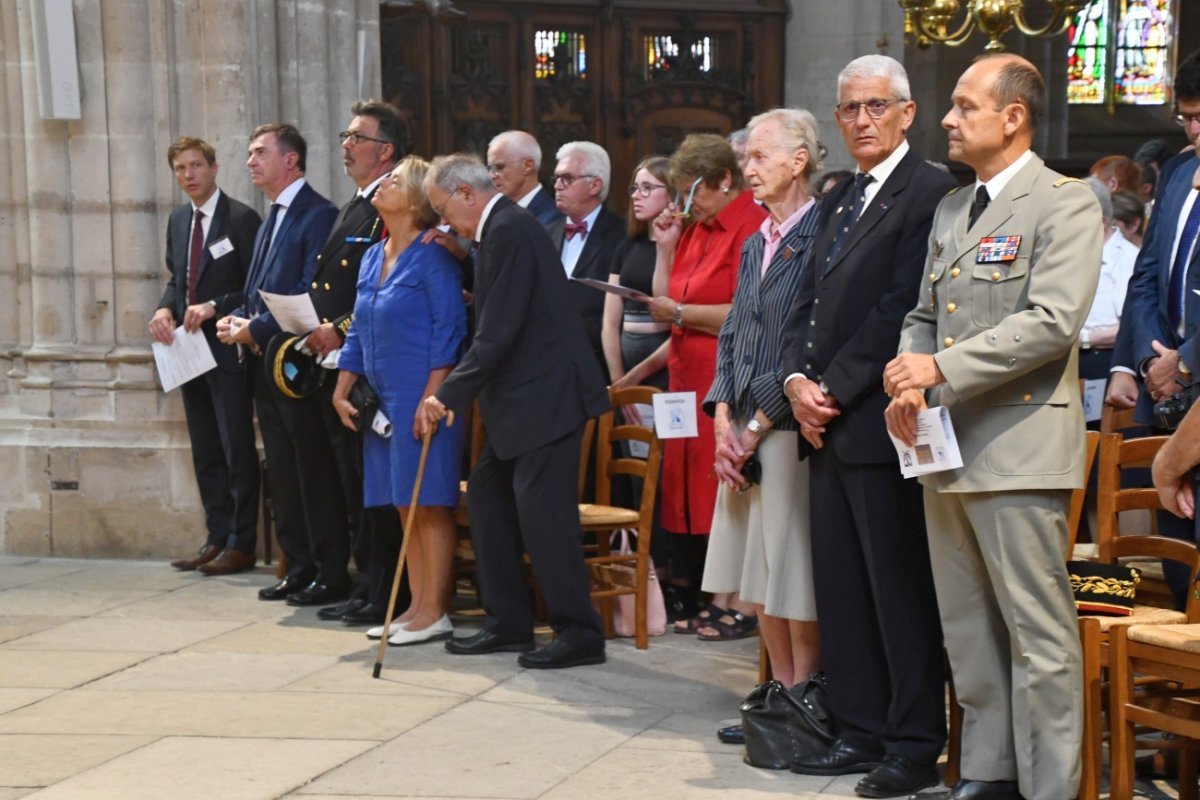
x=408 y=331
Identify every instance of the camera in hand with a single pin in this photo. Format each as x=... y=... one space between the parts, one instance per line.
x=1170 y=412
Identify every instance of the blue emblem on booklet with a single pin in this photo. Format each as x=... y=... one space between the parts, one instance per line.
x=997 y=249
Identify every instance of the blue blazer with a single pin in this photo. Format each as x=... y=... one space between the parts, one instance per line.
x=291 y=263
x=542 y=206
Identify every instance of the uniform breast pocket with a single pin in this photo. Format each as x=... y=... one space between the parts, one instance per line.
x=999 y=290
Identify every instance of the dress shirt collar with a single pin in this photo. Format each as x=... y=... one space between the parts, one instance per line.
x=483 y=218
x=996 y=185
x=365 y=192
x=288 y=195
x=527 y=199
x=590 y=219
x=773 y=232
x=884 y=169
x=210 y=205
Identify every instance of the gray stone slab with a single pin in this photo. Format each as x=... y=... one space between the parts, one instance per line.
x=215 y=672
x=43 y=599
x=61 y=669
x=265 y=638
x=150 y=635
x=24 y=571
x=14 y=627
x=353 y=676
x=43 y=760
x=205 y=600
x=11 y=699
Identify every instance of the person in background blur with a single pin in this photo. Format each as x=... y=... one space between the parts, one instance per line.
x=1118 y=173
x=824 y=184
x=1129 y=216
x=737 y=140
x=1099 y=332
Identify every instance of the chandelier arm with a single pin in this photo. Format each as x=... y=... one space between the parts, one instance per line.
x=1057 y=24
x=952 y=39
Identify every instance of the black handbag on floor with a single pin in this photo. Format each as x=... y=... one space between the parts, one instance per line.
x=781 y=724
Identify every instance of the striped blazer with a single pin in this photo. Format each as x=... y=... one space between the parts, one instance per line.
x=749 y=375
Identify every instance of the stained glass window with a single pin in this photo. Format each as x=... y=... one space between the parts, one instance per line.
x=558 y=53
x=1142 y=69
x=1087 y=54
x=662 y=54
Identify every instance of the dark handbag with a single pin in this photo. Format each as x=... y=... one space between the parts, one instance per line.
x=781 y=724
x=365 y=402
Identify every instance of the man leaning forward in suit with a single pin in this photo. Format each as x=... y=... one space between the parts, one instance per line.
x=537 y=384
x=210 y=242
x=876 y=610
x=1013 y=265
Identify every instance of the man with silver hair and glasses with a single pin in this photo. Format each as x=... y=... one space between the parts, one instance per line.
x=513 y=161
x=876 y=609
x=588 y=234
x=537 y=385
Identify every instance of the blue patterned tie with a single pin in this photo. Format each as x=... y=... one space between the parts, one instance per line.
x=254 y=302
x=846 y=222
x=1179 y=269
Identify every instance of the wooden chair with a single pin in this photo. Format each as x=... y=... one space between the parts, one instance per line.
x=1116 y=420
x=1170 y=653
x=615 y=575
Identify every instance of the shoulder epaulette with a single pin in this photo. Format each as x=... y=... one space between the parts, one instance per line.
x=1061 y=181
x=952 y=191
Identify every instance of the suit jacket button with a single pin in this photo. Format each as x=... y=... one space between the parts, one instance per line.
x=954 y=273
x=314 y=284
x=951 y=308
x=345 y=263
x=1027 y=398
x=327 y=287
x=933 y=276
x=318 y=256
x=949 y=340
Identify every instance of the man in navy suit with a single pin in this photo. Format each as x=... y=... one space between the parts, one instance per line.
x=285 y=260
x=537 y=384
x=210 y=241
x=513 y=161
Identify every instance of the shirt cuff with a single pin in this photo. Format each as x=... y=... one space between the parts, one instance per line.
x=789 y=378
x=1126 y=370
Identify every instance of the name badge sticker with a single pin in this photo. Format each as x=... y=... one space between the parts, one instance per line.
x=220 y=247
x=997 y=249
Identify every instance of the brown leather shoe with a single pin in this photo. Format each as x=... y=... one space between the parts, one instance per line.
x=205 y=555
x=230 y=562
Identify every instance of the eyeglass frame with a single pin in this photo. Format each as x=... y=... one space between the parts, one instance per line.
x=566 y=179
x=691 y=195
x=1184 y=120
x=359 y=137
x=441 y=212
x=644 y=190
x=842 y=109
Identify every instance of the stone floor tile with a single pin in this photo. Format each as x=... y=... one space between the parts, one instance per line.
x=13 y=793
x=45 y=600
x=215 y=672
x=246 y=769
x=353 y=675
x=108 y=574
x=686 y=732
x=272 y=638
x=634 y=774
x=204 y=600
x=36 y=761
x=559 y=687
x=14 y=627
x=489 y=750
x=61 y=669
x=151 y=635
x=11 y=699
x=15 y=571
x=262 y=715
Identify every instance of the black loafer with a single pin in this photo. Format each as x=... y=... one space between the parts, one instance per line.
x=731 y=734
x=281 y=590
x=318 y=594
x=367 y=614
x=488 y=642
x=334 y=613
x=840 y=759
x=897 y=776
x=561 y=655
x=976 y=790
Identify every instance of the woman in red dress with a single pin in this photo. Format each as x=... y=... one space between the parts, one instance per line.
x=695 y=274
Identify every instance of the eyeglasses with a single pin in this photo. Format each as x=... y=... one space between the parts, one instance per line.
x=495 y=169
x=354 y=137
x=644 y=189
x=875 y=107
x=1185 y=120
x=687 y=206
x=441 y=212
x=566 y=179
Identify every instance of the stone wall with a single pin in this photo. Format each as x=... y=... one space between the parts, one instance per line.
x=94 y=459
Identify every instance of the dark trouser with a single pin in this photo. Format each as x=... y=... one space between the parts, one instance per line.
x=220 y=419
x=881 y=639
x=347 y=449
x=306 y=493
x=382 y=548
x=527 y=504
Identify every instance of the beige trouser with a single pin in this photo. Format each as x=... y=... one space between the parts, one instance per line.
x=1010 y=628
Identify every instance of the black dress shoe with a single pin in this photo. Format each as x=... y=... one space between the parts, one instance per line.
x=287 y=586
x=366 y=614
x=840 y=759
x=561 y=655
x=487 y=642
x=897 y=776
x=318 y=594
x=731 y=734
x=975 y=790
x=334 y=613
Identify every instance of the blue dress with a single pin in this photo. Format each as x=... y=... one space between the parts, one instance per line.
x=413 y=323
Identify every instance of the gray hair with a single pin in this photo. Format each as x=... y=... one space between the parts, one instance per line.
x=520 y=145
x=448 y=173
x=797 y=130
x=877 y=66
x=738 y=138
x=595 y=162
x=1103 y=196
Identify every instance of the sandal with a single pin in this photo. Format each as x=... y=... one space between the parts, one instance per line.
x=704 y=617
x=741 y=627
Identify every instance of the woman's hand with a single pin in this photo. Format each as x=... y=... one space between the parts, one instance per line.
x=345 y=410
x=662 y=309
x=668 y=227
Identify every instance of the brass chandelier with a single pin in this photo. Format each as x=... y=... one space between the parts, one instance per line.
x=931 y=20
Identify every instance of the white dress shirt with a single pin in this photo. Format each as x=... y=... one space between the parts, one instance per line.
x=573 y=247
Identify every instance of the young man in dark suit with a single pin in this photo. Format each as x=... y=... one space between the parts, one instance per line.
x=537 y=384
x=587 y=235
x=876 y=609
x=285 y=260
x=210 y=242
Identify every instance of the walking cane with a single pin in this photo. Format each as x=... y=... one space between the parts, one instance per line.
x=412 y=510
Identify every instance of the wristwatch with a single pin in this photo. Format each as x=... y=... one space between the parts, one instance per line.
x=678 y=320
x=755 y=427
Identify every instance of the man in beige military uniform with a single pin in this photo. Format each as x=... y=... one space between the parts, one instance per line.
x=1012 y=268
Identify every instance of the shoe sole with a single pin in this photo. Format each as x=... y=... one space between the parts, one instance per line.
x=518 y=647
x=862 y=767
x=437 y=637
x=583 y=662
x=874 y=793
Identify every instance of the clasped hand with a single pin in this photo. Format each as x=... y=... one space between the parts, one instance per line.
x=732 y=453
x=911 y=371
x=812 y=408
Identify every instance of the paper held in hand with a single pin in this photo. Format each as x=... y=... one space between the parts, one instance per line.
x=613 y=288
x=294 y=313
x=936 y=448
x=675 y=415
x=187 y=356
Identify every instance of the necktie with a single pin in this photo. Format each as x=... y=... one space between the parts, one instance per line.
x=1179 y=267
x=572 y=228
x=846 y=222
x=981 y=202
x=253 y=301
x=193 y=268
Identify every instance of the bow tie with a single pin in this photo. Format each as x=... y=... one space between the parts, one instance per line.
x=572 y=228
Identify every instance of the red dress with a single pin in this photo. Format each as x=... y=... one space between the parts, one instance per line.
x=704 y=273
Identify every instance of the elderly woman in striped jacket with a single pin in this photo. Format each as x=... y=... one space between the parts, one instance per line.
x=759 y=544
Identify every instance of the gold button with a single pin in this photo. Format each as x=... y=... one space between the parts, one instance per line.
x=1027 y=398
x=314 y=284
x=932 y=276
x=954 y=272
x=951 y=308
x=327 y=287
x=995 y=276
x=318 y=256
x=345 y=263
x=324 y=319
x=949 y=340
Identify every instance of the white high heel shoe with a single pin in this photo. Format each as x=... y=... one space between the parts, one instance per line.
x=442 y=629
x=376 y=633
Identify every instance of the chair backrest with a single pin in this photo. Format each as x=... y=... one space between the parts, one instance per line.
x=1116 y=420
x=1075 y=512
x=611 y=430
x=1164 y=548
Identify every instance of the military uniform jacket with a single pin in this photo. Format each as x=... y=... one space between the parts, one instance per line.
x=1002 y=327
x=356 y=228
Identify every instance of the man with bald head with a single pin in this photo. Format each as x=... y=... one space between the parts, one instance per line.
x=513 y=161
x=1012 y=268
